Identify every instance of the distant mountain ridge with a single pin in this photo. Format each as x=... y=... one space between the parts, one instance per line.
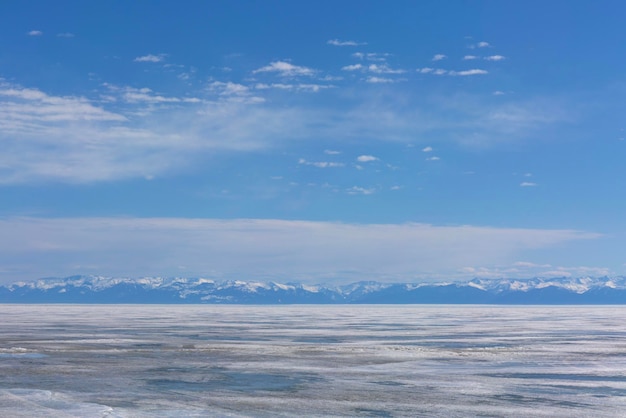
x=98 y=289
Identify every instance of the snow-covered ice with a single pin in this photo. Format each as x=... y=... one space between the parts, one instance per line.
x=193 y=360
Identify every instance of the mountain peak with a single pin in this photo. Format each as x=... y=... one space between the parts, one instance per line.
x=100 y=289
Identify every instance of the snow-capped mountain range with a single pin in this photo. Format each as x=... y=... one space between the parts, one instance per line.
x=97 y=289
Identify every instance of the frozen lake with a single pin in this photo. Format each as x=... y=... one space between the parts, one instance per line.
x=193 y=361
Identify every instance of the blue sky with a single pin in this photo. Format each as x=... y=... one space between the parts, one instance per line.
x=321 y=142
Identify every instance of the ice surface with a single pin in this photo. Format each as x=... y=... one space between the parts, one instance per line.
x=192 y=360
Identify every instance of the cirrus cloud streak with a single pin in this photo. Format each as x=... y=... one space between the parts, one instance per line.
x=133 y=132
x=259 y=248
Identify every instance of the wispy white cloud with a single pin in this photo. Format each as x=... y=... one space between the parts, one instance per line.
x=353 y=67
x=427 y=149
x=337 y=42
x=280 y=86
x=481 y=44
x=285 y=69
x=470 y=57
x=383 y=69
x=306 y=87
x=576 y=271
x=234 y=92
x=146 y=95
x=377 y=56
x=34 y=33
x=527 y=184
x=70 y=139
x=315 y=88
x=229 y=88
x=441 y=71
x=366 y=158
x=150 y=58
x=528 y=264
x=380 y=80
x=360 y=190
x=321 y=164
x=514 y=118
x=329 y=77
x=371 y=56
x=32 y=105
x=257 y=248
x=331 y=152
x=524 y=270
x=495 y=58
x=127 y=132
x=439 y=57
x=474 y=71
x=65 y=35
x=433 y=158
x=64 y=138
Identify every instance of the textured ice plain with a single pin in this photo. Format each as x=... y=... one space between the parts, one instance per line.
x=386 y=361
